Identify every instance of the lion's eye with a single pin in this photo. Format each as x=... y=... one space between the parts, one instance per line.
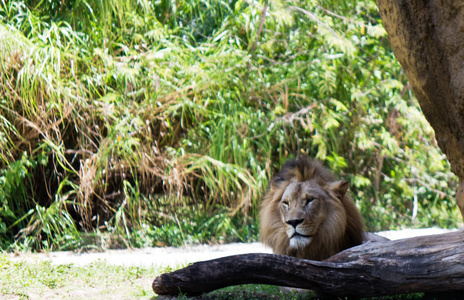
x=285 y=203
x=309 y=200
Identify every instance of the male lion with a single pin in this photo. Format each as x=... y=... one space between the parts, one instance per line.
x=307 y=214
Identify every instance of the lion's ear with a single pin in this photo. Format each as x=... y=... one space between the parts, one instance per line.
x=339 y=188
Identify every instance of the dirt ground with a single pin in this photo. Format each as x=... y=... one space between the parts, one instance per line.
x=132 y=286
x=176 y=257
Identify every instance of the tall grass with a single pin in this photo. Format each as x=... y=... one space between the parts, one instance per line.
x=107 y=106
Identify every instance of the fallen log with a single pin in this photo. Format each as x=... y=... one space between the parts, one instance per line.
x=420 y=264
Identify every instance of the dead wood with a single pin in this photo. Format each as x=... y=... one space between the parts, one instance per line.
x=421 y=264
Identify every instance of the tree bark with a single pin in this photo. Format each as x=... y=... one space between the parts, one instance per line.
x=427 y=37
x=421 y=264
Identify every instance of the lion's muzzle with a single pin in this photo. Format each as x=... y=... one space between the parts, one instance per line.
x=298 y=240
x=294 y=222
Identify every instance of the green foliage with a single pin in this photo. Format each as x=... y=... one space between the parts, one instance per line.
x=12 y=187
x=119 y=103
x=37 y=226
x=195 y=224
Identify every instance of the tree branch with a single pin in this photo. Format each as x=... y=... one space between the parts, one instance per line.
x=421 y=264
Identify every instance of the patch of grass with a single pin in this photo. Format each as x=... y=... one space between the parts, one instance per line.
x=258 y=291
x=42 y=280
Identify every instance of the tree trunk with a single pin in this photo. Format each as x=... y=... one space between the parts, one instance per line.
x=421 y=264
x=427 y=37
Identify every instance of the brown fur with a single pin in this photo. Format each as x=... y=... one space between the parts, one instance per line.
x=315 y=197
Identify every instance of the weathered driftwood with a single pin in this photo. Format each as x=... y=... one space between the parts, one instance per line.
x=427 y=38
x=421 y=264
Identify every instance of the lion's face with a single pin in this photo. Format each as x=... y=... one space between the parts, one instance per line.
x=306 y=212
x=303 y=208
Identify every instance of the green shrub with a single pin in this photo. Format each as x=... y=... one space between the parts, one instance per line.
x=116 y=101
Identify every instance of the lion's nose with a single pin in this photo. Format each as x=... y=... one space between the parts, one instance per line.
x=294 y=222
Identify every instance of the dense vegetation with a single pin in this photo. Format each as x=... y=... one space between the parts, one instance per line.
x=161 y=122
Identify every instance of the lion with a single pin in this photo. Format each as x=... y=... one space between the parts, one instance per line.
x=306 y=212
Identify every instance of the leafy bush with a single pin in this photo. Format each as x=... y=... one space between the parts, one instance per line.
x=117 y=103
